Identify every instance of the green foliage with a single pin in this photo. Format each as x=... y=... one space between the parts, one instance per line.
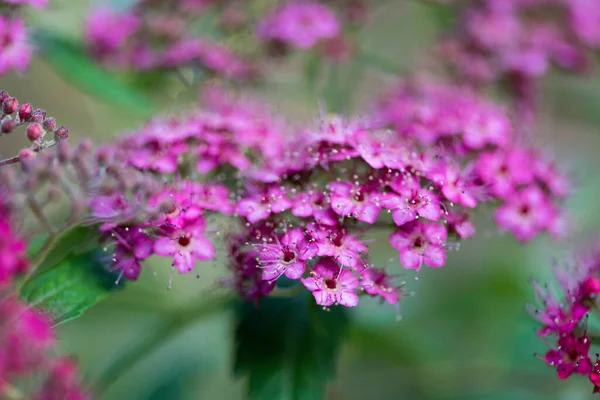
x=70 y=287
x=71 y=277
x=444 y=15
x=69 y=59
x=288 y=347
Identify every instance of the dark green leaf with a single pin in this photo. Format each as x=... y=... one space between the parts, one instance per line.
x=74 y=241
x=68 y=288
x=69 y=59
x=288 y=347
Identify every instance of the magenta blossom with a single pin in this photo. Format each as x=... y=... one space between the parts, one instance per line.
x=331 y=284
x=412 y=201
x=376 y=282
x=185 y=246
x=314 y=204
x=420 y=243
x=287 y=255
x=300 y=24
x=259 y=206
x=351 y=200
x=342 y=246
x=15 y=50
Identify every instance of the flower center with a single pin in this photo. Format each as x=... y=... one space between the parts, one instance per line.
x=184 y=241
x=331 y=283
x=288 y=256
x=419 y=244
x=525 y=209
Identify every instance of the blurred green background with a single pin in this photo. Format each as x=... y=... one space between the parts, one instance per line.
x=463 y=335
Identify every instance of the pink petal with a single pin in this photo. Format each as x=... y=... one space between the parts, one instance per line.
x=368 y=213
x=203 y=249
x=295 y=270
x=403 y=215
x=184 y=261
x=347 y=298
x=435 y=256
x=164 y=246
x=411 y=259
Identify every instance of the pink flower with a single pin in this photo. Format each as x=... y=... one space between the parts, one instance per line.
x=300 y=23
x=313 y=204
x=456 y=184
x=15 y=50
x=133 y=246
x=108 y=30
x=570 y=355
x=412 y=201
x=259 y=206
x=351 y=200
x=185 y=245
x=505 y=170
x=287 y=255
x=420 y=243
x=342 y=246
x=376 y=282
x=526 y=213
x=12 y=251
x=331 y=284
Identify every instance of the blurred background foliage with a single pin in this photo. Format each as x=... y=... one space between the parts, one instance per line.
x=463 y=335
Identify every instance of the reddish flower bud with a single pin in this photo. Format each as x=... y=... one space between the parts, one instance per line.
x=10 y=105
x=34 y=131
x=4 y=94
x=25 y=112
x=61 y=133
x=38 y=116
x=26 y=154
x=8 y=125
x=50 y=124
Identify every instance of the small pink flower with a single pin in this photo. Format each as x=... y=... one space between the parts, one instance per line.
x=108 y=30
x=570 y=355
x=259 y=206
x=376 y=282
x=313 y=203
x=331 y=284
x=185 y=246
x=412 y=201
x=526 y=213
x=352 y=200
x=287 y=255
x=456 y=184
x=15 y=50
x=343 y=247
x=420 y=243
x=300 y=23
x=505 y=170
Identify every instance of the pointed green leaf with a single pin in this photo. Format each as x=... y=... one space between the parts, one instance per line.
x=288 y=347
x=66 y=289
x=69 y=59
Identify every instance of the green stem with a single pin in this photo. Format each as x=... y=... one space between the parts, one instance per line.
x=169 y=328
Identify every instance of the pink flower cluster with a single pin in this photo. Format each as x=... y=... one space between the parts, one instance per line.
x=564 y=317
x=478 y=156
x=301 y=24
x=149 y=36
x=518 y=40
x=26 y=336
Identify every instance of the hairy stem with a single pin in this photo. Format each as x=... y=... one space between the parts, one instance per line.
x=12 y=160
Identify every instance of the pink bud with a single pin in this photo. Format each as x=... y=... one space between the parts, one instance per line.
x=8 y=125
x=10 y=105
x=25 y=112
x=591 y=286
x=50 y=124
x=26 y=154
x=4 y=94
x=38 y=116
x=61 y=133
x=34 y=131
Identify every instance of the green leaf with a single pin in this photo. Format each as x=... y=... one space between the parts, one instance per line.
x=443 y=14
x=69 y=58
x=288 y=347
x=68 y=288
x=378 y=63
x=76 y=240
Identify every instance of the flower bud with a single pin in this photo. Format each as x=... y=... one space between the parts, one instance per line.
x=8 y=125
x=34 y=131
x=38 y=116
x=50 y=124
x=61 y=133
x=10 y=105
x=26 y=155
x=4 y=94
x=25 y=112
